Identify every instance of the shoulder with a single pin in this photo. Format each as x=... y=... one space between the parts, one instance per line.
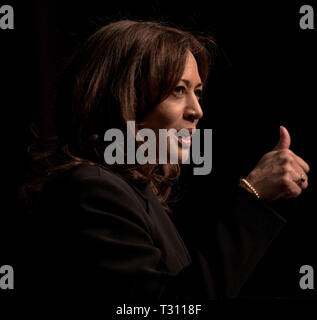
x=84 y=174
x=95 y=186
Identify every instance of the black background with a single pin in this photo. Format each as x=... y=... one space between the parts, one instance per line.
x=264 y=77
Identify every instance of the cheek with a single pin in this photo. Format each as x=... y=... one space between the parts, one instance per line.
x=168 y=115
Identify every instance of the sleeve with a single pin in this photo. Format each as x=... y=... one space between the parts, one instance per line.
x=233 y=243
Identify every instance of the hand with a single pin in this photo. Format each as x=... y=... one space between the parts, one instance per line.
x=279 y=172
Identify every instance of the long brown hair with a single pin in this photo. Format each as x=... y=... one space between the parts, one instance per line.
x=120 y=73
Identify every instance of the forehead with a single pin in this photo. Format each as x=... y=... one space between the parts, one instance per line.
x=191 y=70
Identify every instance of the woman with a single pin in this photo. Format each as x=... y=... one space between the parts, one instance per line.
x=105 y=227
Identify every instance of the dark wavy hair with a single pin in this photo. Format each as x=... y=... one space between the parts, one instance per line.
x=120 y=73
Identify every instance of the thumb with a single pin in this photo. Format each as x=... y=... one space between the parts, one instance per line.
x=285 y=140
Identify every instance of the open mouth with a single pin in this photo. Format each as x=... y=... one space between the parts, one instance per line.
x=184 y=137
x=185 y=142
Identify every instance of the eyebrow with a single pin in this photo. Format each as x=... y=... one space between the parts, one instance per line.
x=189 y=84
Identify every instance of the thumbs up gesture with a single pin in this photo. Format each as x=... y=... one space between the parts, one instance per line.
x=279 y=173
x=285 y=140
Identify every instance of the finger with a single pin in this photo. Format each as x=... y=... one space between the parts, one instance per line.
x=284 y=141
x=292 y=190
x=304 y=165
x=300 y=177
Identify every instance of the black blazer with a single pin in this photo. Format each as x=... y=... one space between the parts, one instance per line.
x=96 y=233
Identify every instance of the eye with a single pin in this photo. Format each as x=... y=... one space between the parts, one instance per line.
x=179 y=91
x=199 y=93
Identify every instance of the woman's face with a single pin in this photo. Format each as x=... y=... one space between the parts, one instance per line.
x=179 y=110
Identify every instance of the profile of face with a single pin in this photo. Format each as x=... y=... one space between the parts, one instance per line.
x=180 y=110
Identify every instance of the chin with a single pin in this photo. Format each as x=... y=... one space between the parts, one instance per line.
x=183 y=155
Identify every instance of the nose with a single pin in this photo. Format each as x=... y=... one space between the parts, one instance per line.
x=193 y=111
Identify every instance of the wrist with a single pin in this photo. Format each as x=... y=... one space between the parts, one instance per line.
x=245 y=184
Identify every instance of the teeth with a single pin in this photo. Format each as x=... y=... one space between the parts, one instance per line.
x=184 y=137
x=184 y=134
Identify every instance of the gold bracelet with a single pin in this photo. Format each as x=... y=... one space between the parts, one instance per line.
x=248 y=184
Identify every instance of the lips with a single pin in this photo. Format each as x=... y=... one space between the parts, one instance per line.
x=185 y=142
x=185 y=131
x=184 y=136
